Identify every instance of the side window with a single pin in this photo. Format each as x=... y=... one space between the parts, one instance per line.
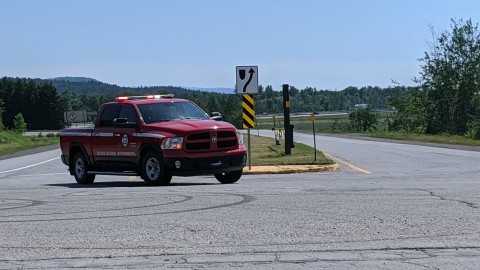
x=108 y=114
x=127 y=112
x=146 y=110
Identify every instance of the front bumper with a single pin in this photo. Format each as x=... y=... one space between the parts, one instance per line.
x=182 y=166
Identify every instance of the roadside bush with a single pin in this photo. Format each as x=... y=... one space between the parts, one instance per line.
x=8 y=137
x=363 y=119
x=340 y=126
x=473 y=130
x=19 y=125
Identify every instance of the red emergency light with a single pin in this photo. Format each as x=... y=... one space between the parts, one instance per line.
x=121 y=99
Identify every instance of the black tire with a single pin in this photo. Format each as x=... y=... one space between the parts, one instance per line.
x=228 y=178
x=80 y=168
x=153 y=170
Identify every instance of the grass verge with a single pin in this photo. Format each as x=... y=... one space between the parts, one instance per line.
x=444 y=139
x=264 y=151
x=326 y=124
x=11 y=142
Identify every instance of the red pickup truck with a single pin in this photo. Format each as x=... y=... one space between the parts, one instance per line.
x=155 y=137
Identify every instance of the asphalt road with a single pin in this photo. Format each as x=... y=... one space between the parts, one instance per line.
x=391 y=206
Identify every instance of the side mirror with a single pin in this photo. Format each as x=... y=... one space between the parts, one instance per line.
x=216 y=116
x=123 y=123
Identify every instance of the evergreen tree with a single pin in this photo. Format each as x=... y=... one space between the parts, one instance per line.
x=40 y=105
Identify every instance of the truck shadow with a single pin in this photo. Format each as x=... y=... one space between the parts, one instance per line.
x=118 y=184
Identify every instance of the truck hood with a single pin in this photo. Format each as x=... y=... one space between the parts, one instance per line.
x=189 y=126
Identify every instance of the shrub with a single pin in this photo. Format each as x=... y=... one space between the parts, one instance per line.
x=363 y=119
x=7 y=136
x=473 y=130
x=19 y=125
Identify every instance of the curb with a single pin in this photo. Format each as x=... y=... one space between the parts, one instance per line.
x=285 y=169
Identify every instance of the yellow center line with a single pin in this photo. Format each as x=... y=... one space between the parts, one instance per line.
x=350 y=165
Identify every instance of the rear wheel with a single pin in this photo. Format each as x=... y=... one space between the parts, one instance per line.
x=153 y=170
x=228 y=178
x=80 y=168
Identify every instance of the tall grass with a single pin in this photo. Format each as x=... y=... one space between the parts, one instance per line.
x=11 y=142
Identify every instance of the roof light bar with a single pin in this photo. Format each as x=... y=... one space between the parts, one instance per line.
x=121 y=99
x=150 y=97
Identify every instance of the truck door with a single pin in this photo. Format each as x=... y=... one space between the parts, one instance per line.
x=127 y=145
x=104 y=139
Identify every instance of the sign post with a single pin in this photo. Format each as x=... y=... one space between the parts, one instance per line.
x=247 y=85
x=277 y=137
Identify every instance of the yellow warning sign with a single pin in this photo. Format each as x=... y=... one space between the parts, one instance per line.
x=248 y=111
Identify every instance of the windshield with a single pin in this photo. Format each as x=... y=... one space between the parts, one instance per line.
x=166 y=111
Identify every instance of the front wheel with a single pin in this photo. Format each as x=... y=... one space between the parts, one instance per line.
x=80 y=168
x=228 y=178
x=153 y=170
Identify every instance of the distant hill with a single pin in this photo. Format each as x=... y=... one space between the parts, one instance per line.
x=221 y=90
x=91 y=86
x=74 y=79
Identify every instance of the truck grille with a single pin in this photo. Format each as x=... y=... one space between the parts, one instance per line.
x=211 y=141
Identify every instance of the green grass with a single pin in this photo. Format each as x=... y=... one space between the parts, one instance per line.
x=11 y=142
x=445 y=139
x=323 y=124
x=264 y=151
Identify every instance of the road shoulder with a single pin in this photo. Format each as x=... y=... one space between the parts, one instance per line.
x=30 y=151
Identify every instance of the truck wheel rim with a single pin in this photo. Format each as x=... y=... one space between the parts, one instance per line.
x=79 y=168
x=153 y=169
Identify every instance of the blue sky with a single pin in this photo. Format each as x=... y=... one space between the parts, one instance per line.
x=323 y=44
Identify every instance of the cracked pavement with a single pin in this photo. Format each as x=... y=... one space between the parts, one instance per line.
x=346 y=259
x=418 y=208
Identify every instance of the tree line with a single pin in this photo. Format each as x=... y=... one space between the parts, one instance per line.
x=42 y=104
x=312 y=100
x=38 y=104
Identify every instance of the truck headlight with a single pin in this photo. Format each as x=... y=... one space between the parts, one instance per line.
x=172 y=143
x=240 y=137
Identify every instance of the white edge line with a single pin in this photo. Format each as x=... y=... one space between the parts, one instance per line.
x=33 y=165
x=42 y=174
